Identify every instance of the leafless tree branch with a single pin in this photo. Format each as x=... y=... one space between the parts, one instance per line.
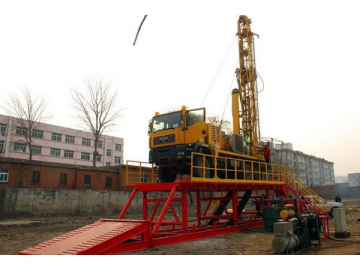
x=28 y=113
x=224 y=124
x=97 y=109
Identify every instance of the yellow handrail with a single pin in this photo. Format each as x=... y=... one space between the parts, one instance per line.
x=138 y=172
x=235 y=170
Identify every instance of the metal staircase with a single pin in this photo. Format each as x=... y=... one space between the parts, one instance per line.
x=312 y=200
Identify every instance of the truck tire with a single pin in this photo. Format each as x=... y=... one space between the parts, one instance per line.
x=248 y=172
x=199 y=162
x=167 y=174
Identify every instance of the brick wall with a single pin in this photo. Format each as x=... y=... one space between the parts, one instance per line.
x=329 y=192
x=21 y=174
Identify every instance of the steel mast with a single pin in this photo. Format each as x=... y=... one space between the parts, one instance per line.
x=245 y=99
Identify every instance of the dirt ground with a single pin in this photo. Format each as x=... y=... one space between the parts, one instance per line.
x=19 y=234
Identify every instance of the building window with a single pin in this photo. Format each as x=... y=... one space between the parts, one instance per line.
x=2 y=128
x=98 y=158
x=69 y=139
x=56 y=137
x=21 y=131
x=108 y=182
x=117 y=160
x=1 y=146
x=108 y=164
x=68 y=154
x=36 y=150
x=108 y=152
x=35 y=177
x=99 y=144
x=54 y=152
x=144 y=178
x=37 y=133
x=117 y=147
x=19 y=147
x=87 y=179
x=85 y=156
x=63 y=178
x=4 y=175
x=86 y=142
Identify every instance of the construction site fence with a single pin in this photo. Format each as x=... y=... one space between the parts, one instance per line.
x=209 y=168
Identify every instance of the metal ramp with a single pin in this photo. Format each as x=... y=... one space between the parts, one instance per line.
x=102 y=237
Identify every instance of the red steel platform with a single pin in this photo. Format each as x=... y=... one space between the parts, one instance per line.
x=219 y=208
x=162 y=224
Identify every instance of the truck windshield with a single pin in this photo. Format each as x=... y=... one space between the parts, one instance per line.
x=166 y=121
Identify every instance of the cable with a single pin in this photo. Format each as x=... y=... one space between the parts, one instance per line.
x=262 y=83
x=227 y=100
x=218 y=71
x=139 y=29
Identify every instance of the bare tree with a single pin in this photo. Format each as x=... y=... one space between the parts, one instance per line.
x=171 y=109
x=28 y=114
x=224 y=124
x=96 y=109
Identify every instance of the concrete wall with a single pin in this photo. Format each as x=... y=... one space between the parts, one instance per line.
x=349 y=192
x=28 y=202
x=54 y=202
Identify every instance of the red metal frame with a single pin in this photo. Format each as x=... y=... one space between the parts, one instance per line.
x=317 y=210
x=163 y=225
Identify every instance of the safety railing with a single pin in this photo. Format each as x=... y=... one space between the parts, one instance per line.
x=138 y=172
x=228 y=169
x=298 y=184
x=211 y=168
x=313 y=200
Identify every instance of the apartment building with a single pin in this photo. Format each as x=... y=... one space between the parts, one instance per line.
x=59 y=144
x=300 y=166
x=311 y=170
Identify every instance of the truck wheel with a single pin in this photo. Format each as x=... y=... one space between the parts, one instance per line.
x=200 y=165
x=167 y=174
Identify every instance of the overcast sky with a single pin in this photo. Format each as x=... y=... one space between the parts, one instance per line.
x=307 y=55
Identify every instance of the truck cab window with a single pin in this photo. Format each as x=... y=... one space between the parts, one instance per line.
x=166 y=121
x=195 y=116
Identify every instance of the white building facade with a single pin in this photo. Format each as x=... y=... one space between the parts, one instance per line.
x=354 y=179
x=59 y=144
x=311 y=170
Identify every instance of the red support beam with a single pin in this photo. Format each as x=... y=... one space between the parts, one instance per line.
x=126 y=206
x=164 y=210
